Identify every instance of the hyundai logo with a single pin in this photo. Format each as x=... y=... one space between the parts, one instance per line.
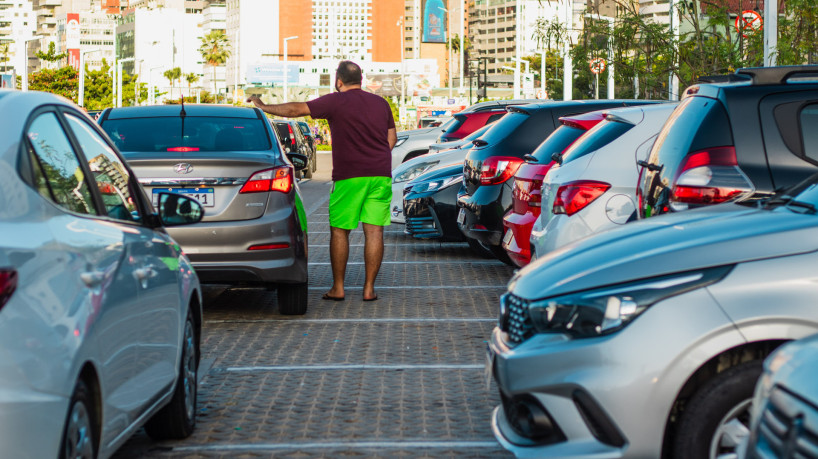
x=183 y=168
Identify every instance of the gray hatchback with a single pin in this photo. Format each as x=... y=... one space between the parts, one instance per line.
x=255 y=229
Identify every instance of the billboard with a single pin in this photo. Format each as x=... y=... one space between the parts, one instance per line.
x=72 y=39
x=390 y=85
x=270 y=73
x=434 y=21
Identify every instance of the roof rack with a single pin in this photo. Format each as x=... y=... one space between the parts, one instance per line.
x=777 y=75
x=729 y=78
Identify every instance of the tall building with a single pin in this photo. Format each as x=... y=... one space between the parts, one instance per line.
x=655 y=10
x=214 y=18
x=17 y=24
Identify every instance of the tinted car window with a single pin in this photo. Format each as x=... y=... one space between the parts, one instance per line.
x=809 y=128
x=501 y=130
x=597 y=137
x=201 y=133
x=113 y=179
x=57 y=172
x=557 y=142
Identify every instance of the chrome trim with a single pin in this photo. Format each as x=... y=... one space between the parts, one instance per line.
x=192 y=181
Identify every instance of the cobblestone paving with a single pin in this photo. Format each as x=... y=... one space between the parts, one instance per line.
x=399 y=377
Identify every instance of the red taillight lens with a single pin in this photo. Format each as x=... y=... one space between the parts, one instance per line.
x=8 y=283
x=535 y=193
x=183 y=149
x=575 y=196
x=709 y=176
x=268 y=246
x=278 y=179
x=292 y=135
x=498 y=169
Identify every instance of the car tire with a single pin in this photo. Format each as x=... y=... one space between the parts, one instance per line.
x=717 y=414
x=177 y=419
x=308 y=170
x=78 y=436
x=479 y=248
x=314 y=161
x=292 y=299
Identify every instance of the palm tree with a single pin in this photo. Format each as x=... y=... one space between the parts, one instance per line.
x=173 y=75
x=215 y=51
x=191 y=78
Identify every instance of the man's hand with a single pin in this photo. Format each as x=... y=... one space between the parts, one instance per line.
x=255 y=100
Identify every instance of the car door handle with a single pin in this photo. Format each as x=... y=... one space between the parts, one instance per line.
x=92 y=278
x=144 y=273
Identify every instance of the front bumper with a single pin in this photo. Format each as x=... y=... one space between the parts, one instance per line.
x=483 y=212
x=610 y=396
x=433 y=215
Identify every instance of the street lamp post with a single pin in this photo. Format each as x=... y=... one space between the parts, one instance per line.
x=519 y=42
x=152 y=94
x=285 y=64
x=673 y=83
x=24 y=83
x=81 y=96
x=462 y=49
x=567 y=61
x=544 y=54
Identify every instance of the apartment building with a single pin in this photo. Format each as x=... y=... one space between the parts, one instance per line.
x=17 y=24
x=90 y=32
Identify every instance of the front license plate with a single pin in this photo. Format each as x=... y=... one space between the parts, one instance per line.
x=461 y=216
x=205 y=196
x=488 y=372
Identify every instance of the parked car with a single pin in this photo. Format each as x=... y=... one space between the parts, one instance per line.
x=430 y=204
x=415 y=167
x=526 y=190
x=432 y=121
x=593 y=189
x=486 y=193
x=415 y=142
x=733 y=141
x=100 y=310
x=255 y=230
x=646 y=340
x=312 y=141
x=293 y=140
x=785 y=405
x=477 y=116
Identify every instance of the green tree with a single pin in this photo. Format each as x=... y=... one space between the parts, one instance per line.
x=215 y=50
x=63 y=81
x=51 y=55
x=173 y=75
x=191 y=78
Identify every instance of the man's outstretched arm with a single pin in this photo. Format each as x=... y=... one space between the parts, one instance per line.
x=287 y=110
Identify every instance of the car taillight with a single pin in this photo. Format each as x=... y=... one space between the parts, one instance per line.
x=8 y=283
x=278 y=179
x=575 y=196
x=535 y=194
x=183 y=149
x=268 y=246
x=710 y=176
x=498 y=169
x=292 y=135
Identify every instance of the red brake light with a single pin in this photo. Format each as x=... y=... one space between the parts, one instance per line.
x=498 y=169
x=278 y=179
x=268 y=246
x=292 y=135
x=710 y=176
x=8 y=283
x=575 y=196
x=183 y=149
x=585 y=122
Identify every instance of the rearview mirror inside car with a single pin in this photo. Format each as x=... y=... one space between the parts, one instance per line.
x=178 y=209
x=299 y=161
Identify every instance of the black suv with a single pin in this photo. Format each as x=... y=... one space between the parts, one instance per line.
x=740 y=140
x=485 y=196
x=292 y=140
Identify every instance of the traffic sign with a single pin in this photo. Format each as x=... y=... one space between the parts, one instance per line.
x=597 y=65
x=748 y=23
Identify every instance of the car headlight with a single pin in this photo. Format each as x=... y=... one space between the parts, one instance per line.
x=605 y=310
x=437 y=184
x=400 y=141
x=413 y=172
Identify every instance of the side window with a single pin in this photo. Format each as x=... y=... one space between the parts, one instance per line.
x=495 y=117
x=113 y=179
x=809 y=129
x=57 y=170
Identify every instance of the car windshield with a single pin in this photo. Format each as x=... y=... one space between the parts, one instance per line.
x=304 y=129
x=191 y=133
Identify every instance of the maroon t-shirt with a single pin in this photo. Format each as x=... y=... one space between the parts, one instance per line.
x=359 y=122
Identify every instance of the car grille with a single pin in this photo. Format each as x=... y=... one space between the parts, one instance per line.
x=516 y=321
x=422 y=227
x=783 y=429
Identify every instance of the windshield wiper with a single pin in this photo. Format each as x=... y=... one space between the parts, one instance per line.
x=802 y=205
x=789 y=201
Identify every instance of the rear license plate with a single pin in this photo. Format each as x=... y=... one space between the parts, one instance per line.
x=205 y=196
x=461 y=216
x=488 y=372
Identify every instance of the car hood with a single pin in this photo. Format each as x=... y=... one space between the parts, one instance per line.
x=710 y=236
x=448 y=170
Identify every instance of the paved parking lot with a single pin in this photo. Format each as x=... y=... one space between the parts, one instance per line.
x=399 y=377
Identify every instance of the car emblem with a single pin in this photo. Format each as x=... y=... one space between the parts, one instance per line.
x=183 y=168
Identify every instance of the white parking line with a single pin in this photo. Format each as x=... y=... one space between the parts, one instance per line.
x=263 y=368
x=369 y=320
x=399 y=287
x=397 y=444
x=458 y=262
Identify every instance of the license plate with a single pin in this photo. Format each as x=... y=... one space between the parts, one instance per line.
x=488 y=372
x=205 y=196
x=461 y=216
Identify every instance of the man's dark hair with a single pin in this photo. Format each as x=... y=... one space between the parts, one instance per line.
x=349 y=73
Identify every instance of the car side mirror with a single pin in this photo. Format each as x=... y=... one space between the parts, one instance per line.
x=299 y=161
x=177 y=209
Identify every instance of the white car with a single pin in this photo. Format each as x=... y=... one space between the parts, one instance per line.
x=100 y=311
x=594 y=188
x=415 y=142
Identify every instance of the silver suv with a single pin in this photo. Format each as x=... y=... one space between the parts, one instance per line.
x=646 y=340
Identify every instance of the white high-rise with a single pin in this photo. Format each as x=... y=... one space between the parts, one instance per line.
x=342 y=29
x=17 y=24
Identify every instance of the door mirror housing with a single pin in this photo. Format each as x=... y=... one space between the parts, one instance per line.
x=177 y=209
x=299 y=161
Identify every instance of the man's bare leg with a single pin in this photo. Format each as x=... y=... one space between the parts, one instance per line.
x=373 y=256
x=338 y=256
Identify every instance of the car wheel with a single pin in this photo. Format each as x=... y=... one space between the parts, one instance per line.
x=308 y=170
x=178 y=418
x=479 y=248
x=78 y=433
x=314 y=161
x=292 y=299
x=717 y=417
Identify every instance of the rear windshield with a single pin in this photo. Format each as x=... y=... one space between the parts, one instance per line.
x=501 y=129
x=197 y=132
x=597 y=137
x=557 y=142
x=304 y=129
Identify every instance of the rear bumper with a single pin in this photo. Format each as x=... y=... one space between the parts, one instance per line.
x=484 y=210
x=517 y=243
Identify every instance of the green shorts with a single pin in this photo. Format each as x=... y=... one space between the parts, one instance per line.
x=360 y=199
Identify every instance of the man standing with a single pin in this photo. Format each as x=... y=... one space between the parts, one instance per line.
x=363 y=134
